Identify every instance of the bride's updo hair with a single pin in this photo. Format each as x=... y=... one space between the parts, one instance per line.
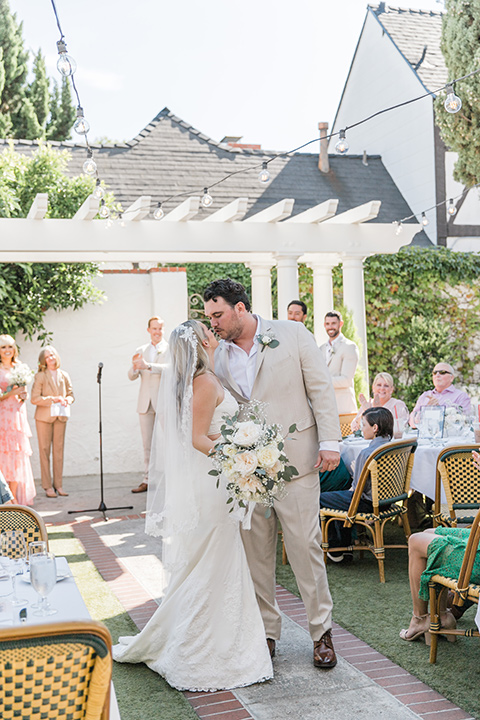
x=188 y=355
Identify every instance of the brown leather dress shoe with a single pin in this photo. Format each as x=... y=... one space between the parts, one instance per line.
x=143 y=487
x=271 y=647
x=324 y=653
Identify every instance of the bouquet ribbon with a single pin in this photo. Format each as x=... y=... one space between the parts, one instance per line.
x=244 y=515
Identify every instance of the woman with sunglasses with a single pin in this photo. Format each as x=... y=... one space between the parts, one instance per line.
x=443 y=393
x=15 y=432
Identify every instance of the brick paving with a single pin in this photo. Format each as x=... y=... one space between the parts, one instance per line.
x=224 y=705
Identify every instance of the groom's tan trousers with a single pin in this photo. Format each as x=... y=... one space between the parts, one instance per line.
x=298 y=515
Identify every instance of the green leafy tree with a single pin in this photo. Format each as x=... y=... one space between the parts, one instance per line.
x=62 y=112
x=38 y=91
x=14 y=62
x=28 y=290
x=461 y=50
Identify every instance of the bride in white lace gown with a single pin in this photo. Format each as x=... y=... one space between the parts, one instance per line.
x=207 y=633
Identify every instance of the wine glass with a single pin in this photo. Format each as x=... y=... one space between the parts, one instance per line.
x=43 y=576
x=13 y=550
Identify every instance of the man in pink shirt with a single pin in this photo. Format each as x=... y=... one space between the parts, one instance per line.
x=443 y=392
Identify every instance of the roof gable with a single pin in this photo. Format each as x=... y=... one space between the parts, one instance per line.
x=417 y=35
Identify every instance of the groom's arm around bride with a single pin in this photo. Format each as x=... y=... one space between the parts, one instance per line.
x=278 y=362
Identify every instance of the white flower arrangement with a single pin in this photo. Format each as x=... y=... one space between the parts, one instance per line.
x=251 y=457
x=267 y=340
x=20 y=376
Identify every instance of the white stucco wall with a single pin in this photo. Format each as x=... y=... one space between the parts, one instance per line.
x=108 y=333
x=380 y=77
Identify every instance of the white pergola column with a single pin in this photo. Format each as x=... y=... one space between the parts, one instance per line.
x=354 y=300
x=322 y=293
x=261 y=287
x=287 y=282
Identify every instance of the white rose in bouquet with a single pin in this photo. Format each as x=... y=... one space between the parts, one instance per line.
x=275 y=469
x=251 y=484
x=268 y=455
x=246 y=462
x=247 y=433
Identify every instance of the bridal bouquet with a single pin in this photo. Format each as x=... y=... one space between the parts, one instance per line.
x=250 y=454
x=21 y=375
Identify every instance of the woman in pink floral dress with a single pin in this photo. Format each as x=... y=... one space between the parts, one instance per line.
x=15 y=432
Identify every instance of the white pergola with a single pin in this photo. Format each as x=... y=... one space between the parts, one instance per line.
x=318 y=237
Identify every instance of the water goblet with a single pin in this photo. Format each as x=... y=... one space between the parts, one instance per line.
x=13 y=550
x=34 y=548
x=43 y=576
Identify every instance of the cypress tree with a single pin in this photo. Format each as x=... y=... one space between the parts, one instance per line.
x=38 y=91
x=14 y=61
x=461 y=49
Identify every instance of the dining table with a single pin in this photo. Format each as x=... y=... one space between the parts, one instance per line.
x=424 y=469
x=65 y=598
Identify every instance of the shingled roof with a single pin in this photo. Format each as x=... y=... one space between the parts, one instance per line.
x=417 y=35
x=170 y=157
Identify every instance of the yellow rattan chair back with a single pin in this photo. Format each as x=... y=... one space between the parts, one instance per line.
x=54 y=671
x=460 y=480
x=19 y=517
x=389 y=469
x=463 y=589
x=345 y=423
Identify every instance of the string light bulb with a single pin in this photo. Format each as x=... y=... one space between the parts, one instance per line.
x=99 y=191
x=207 y=200
x=451 y=209
x=90 y=166
x=342 y=145
x=104 y=212
x=81 y=126
x=398 y=226
x=264 y=175
x=158 y=212
x=424 y=220
x=66 y=65
x=453 y=103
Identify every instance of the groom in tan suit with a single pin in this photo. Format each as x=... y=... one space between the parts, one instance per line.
x=291 y=376
x=147 y=365
x=341 y=356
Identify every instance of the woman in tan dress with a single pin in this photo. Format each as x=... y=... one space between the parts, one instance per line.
x=52 y=394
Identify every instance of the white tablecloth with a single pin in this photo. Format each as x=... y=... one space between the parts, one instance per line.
x=424 y=464
x=65 y=597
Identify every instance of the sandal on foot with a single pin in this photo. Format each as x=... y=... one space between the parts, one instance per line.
x=50 y=493
x=415 y=635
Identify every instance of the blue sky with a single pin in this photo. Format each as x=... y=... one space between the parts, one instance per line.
x=268 y=70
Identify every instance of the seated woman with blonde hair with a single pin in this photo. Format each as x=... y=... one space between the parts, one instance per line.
x=382 y=390
x=435 y=551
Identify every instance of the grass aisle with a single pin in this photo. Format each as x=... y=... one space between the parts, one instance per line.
x=376 y=613
x=141 y=693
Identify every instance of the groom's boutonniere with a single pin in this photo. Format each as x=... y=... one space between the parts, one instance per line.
x=267 y=340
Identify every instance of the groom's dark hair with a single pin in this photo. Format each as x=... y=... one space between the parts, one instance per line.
x=232 y=292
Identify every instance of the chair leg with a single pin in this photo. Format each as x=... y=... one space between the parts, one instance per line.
x=406 y=525
x=434 y=621
x=379 y=549
x=284 y=553
x=323 y=525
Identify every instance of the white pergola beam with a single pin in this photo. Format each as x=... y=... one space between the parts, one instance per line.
x=360 y=214
x=88 y=210
x=39 y=207
x=316 y=214
x=274 y=213
x=138 y=210
x=229 y=213
x=67 y=241
x=185 y=211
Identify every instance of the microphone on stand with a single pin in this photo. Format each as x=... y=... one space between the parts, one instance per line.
x=99 y=374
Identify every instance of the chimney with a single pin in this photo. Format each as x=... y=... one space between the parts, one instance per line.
x=323 y=165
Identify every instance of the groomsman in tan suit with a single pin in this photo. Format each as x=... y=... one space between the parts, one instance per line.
x=147 y=365
x=278 y=362
x=341 y=356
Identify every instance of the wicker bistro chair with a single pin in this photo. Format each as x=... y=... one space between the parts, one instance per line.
x=389 y=468
x=461 y=482
x=462 y=588
x=345 y=424
x=56 y=670
x=19 y=517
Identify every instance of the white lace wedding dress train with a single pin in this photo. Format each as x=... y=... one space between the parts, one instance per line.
x=208 y=633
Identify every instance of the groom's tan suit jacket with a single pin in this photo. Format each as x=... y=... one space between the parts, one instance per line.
x=294 y=380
